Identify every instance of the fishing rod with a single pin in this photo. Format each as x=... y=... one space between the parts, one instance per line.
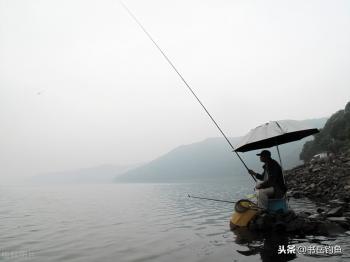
x=212 y=199
x=185 y=82
x=226 y=201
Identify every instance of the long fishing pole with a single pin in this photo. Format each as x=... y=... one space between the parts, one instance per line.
x=225 y=201
x=212 y=199
x=183 y=79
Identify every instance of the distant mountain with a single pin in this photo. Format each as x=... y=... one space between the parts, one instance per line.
x=211 y=159
x=92 y=175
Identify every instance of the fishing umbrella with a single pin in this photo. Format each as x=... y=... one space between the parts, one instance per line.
x=274 y=133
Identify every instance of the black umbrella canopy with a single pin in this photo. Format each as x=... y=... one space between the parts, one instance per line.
x=274 y=133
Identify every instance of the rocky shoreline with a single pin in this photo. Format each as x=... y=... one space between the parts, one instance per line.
x=326 y=182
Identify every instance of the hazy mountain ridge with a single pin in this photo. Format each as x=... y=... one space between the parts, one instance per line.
x=211 y=159
x=205 y=160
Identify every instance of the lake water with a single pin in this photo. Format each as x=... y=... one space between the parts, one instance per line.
x=135 y=222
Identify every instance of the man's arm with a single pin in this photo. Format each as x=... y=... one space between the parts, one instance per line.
x=258 y=176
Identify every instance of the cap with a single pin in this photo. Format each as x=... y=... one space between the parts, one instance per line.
x=264 y=153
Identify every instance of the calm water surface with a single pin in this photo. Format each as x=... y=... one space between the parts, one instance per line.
x=135 y=222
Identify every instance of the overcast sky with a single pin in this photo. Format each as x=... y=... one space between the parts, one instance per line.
x=81 y=85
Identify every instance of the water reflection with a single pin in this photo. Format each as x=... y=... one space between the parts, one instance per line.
x=267 y=245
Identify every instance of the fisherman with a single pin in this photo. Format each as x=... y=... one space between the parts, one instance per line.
x=273 y=185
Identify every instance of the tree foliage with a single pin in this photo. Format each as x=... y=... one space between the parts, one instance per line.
x=334 y=137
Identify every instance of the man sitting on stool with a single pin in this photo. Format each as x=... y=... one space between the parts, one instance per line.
x=273 y=183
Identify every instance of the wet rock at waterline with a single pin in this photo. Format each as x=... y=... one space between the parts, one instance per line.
x=302 y=223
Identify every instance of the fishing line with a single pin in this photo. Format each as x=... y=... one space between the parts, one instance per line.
x=212 y=199
x=183 y=79
x=225 y=201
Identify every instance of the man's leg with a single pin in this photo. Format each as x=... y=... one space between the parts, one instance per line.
x=263 y=196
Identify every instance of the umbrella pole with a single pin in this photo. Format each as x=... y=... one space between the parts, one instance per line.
x=279 y=156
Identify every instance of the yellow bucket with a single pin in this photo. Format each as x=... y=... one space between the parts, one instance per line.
x=245 y=212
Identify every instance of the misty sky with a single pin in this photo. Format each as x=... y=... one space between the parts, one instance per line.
x=81 y=85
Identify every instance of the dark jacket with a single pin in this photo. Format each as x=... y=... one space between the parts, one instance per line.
x=275 y=178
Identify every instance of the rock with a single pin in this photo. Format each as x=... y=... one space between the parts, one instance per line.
x=260 y=221
x=337 y=201
x=279 y=226
x=314 y=216
x=316 y=169
x=335 y=212
x=320 y=210
x=304 y=214
x=297 y=194
x=289 y=216
x=310 y=228
x=346 y=214
x=328 y=228
x=342 y=221
x=337 y=219
x=297 y=225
